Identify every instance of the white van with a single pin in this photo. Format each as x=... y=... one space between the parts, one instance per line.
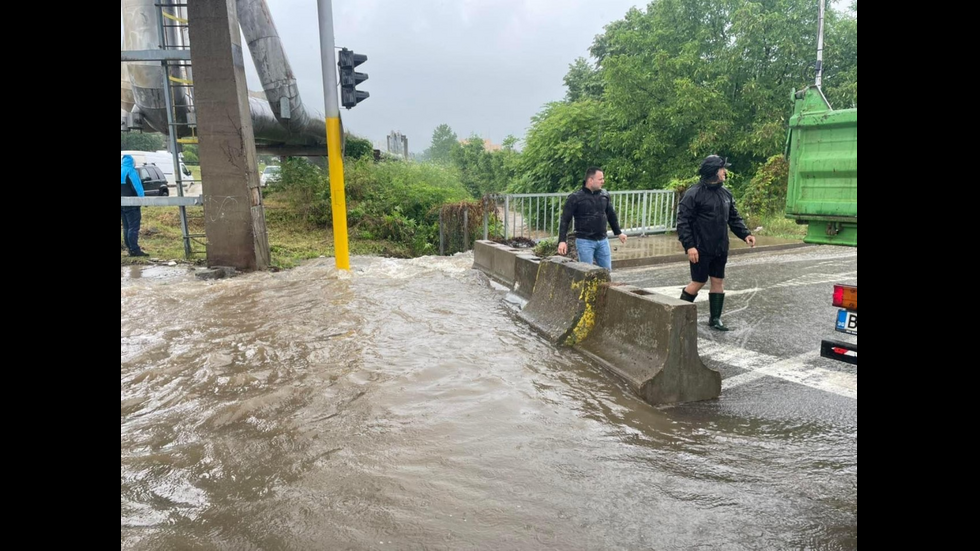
x=164 y=160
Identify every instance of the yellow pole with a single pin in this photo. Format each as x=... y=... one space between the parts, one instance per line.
x=337 y=199
x=335 y=159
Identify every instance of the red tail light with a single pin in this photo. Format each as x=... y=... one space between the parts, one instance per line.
x=846 y=296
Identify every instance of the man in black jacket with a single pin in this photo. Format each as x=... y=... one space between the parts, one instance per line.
x=591 y=208
x=704 y=215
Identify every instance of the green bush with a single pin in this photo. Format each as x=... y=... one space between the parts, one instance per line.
x=765 y=194
x=190 y=152
x=395 y=201
x=356 y=148
x=415 y=188
x=306 y=189
x=137 y=141
x=546 y=247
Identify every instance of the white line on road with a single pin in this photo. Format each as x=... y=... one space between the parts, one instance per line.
x=792 y=369
x=818 y=279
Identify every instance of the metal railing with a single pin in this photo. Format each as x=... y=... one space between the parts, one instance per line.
x=166 y=201
x=538 y=215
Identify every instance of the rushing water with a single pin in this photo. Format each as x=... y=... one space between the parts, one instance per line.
x=402 y=405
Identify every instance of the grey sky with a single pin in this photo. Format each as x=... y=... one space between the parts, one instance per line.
x=480 y=66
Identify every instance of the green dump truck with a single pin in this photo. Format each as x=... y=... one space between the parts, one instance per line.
x=821 y=148
x=822 y=151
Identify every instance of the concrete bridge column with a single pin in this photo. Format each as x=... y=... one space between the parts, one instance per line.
x=234 y=215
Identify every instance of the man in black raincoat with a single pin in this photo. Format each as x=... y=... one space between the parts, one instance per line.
x=591 y=208
x=704 y=215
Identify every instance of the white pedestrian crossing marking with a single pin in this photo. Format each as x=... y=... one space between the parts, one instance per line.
x=793 y=369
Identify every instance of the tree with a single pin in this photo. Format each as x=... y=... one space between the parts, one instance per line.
x=564 y=140
x=444 y=140
x=583 y=81
x=190 y=152
x=483 y=171
x=683 y=79
x=137 y=141
x=476 y=169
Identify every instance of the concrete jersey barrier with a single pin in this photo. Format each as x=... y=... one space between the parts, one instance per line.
x=563 y=304
x=648 y=340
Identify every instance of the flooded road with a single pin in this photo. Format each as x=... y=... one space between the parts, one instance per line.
x=402 y=405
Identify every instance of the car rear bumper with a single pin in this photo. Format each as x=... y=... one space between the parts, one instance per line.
x=839 y=350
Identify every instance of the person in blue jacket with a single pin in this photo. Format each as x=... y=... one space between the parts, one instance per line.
x=131 y=186
x=704 y=216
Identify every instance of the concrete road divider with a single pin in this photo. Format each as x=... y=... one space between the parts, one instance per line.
x=648 y=340
x=651 y=341
x=563 y=304
x=496 y=260
x=525 y=275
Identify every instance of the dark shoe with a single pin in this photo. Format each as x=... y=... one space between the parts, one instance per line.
x=686 y=296
x=716 y=302
x=138 y=253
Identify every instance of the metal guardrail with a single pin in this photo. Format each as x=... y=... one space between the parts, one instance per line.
x=161 y=201
x=538 y=215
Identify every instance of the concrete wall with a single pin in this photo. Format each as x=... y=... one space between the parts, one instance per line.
x=648 y=340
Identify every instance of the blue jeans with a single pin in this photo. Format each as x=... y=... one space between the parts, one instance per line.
x=598 y=250
x=131 y=217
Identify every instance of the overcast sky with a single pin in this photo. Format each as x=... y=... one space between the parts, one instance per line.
x=480 y=66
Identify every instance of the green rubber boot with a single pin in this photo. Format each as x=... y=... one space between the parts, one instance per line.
x=716 y=302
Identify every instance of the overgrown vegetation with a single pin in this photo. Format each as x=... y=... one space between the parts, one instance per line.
x=396 y=202
x=462 y=223
x=137 y=141
x=546 y=247
x=290 y=242
x=765 y=195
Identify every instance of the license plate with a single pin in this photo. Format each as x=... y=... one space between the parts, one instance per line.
x=847 y=322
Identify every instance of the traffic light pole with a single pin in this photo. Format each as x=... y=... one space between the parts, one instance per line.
x=334 y=156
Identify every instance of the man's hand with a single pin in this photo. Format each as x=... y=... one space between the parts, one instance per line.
x=562 y=248
x=622 y=238
x=751 y=241
x=692 y=255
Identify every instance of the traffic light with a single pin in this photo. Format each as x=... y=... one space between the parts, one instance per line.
x=349 y=94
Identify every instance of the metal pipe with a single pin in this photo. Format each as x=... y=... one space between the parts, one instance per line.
x=275 y=72
x=819 y=80
x=146 y=92
x=141 y=32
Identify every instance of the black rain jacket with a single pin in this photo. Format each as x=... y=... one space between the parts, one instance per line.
x=703 y=217
x=591 y=210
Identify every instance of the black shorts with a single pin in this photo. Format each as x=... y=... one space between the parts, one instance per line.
x=713 y=266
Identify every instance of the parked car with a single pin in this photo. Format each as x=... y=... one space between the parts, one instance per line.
x=154 y=182
x=270 y=175
x=163 y=160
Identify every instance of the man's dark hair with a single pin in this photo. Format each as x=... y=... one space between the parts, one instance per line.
x=590 y=173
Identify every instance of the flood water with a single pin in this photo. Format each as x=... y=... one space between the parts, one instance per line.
x=402 y=405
